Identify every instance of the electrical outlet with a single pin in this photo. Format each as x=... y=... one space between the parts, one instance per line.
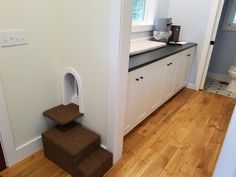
x=12 y=38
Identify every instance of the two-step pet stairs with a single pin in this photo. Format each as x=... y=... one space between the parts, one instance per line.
x=73 y=147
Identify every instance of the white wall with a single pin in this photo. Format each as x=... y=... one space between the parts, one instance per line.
x=193 y=16
x=226 y=164
x=86 y=50
x=163 y=8
x=29 y=73
x=61 y=34
x=224 y=53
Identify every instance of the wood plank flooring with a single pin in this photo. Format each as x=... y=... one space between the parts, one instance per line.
x=181 y=139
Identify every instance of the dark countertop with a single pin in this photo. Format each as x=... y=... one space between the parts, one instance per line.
x=143 y=59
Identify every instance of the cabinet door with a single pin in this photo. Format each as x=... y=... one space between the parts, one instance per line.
x=187 y=60
x=137 y=98
x=169 y=77
x=179 y=71
x=156 y=85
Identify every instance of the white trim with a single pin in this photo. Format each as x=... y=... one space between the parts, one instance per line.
x=213 y=37
x=141 y=39
x=208 y=59
x=28 y=149
x=119 y=34
x=11 y=153
x=7 y=139
x=204 y=54
x=191 y=86
x=226 y=163
x=72 y=71
x=104 y=147
x=142 y=28
x=29 y=143
x=148 y=23
x=219 y=77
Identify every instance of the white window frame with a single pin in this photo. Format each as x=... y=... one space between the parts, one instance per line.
x=229 y=17
x=148 y=23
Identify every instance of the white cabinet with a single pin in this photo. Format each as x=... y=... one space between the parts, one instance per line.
x=156 y=82
x=137 y=98
x=187 y=57
x=179 y=72
x=150 y=86
x=169 y=76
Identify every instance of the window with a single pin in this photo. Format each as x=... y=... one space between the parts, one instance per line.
x=230 y=17
x=138 y=10
x=234 y=22
x=143 y=14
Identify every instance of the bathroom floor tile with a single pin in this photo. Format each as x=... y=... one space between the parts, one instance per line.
x=218 y=87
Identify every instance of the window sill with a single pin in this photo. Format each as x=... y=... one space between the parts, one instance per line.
x=142 y=28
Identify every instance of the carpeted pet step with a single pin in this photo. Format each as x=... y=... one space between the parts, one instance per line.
x=96 y=165
x=68 y=145
x=63 y=114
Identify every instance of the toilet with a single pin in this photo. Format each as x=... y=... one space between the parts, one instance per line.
x=232 y=75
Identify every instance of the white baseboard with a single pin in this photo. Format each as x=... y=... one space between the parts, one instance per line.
x=104 y=147
x=219 y=77
x=11 y=153
x=28 y=149
x=191 y=86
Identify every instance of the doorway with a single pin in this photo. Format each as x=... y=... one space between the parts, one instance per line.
x=2 y=159
x=222 y=52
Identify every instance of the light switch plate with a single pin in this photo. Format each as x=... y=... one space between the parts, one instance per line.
x=13 y=38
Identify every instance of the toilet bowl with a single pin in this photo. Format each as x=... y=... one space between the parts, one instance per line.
x=232 y=75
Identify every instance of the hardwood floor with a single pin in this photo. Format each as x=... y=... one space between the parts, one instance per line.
x=181 y=139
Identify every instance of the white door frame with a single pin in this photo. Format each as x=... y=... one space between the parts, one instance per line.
x=213 y=38
x=6 y=135
x=120 y=33
x=217 y=6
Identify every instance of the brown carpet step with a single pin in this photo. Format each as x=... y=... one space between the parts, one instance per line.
x=63 y=114
x=96 y=165
x=70 y=144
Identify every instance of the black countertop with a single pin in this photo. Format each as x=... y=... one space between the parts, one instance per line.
x=143 y=59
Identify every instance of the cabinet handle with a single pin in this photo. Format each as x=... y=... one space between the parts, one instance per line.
x=188 y=55
x=168 y=64
x=137 y=79
x=171 y=63
x=141 y=77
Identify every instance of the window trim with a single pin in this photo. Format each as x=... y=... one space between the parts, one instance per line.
x=228 y=24
x=148 y=23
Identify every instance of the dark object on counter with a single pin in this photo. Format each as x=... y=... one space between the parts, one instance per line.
x=175 y=33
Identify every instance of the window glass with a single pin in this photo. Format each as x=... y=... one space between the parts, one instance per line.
x=234 y=21
x=138 y=10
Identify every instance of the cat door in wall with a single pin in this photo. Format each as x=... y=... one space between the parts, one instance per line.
x=72 y=91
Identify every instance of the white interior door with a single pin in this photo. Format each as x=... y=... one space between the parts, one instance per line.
x=213 y=37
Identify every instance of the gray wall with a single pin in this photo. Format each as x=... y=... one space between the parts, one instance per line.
x=224 y=53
